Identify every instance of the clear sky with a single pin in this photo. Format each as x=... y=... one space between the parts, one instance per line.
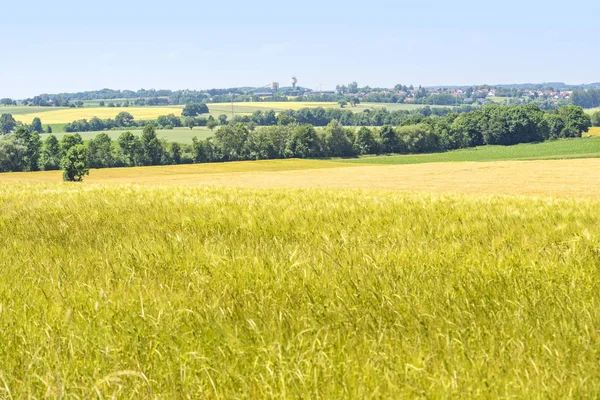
x=64 y=46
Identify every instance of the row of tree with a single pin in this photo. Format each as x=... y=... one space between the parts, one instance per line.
x=589 y=98
x=499 y=125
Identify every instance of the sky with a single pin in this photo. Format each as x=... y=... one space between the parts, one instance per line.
x=67 y=46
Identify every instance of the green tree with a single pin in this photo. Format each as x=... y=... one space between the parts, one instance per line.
x=190 y=122
x=305 y=142
x=418 y=138
x=48 y=129
x=366 y=142
x=75 y=164
x=131 y=147
x=338 y=141
x=211 y=123
x=100 y=152
x=575 y=118
x=194 y=109
x=222 y=119
x=33 y=143
x=69 y=141
x=596 y=118
x=175 y=152
x=389 y=140
x=12 y=154
x=36 y=125
x=343 y=103
x=7 y=123
x=50 y=154
x=152 y=148
x=124 y=119
x=233 y=141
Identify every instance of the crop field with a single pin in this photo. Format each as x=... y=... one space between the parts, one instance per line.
x=50 y=115
x=557 y=178
x=179 y=135
x=595 y=131
x=300 y=278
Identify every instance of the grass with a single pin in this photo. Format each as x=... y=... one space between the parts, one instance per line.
x=20 y=110
x=558 y=149
x=180 y=135
x=174 y=292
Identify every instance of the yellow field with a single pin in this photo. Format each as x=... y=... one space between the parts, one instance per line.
x=276 y=279
x=595 y=131
x=558 y=178
x=72 y=114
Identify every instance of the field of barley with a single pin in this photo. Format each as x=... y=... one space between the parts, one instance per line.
x=303 y=278
x=187 y=291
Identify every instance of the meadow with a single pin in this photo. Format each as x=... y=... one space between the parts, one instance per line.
x=142 y=291
x=179 y=135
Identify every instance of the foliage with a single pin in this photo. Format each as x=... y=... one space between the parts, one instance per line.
x=7 y=123
x=12 y=153
x=595 y=119
x=194 y=109
x=50 y=155
x=75 y=163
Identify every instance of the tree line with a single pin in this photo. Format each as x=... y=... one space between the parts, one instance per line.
x=24 y=150
x=589 y=98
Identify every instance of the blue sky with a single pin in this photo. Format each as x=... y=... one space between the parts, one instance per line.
x=60 y=46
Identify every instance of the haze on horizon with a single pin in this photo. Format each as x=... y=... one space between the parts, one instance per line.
x=68 y=46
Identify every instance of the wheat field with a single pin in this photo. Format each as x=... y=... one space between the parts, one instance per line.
x=556 y=178
x=302 y=279
x=153 y=291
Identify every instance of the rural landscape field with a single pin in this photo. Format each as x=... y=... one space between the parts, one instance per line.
x=314 y=200
x=293 y=277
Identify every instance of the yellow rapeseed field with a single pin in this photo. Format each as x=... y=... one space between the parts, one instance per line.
x=72 y=114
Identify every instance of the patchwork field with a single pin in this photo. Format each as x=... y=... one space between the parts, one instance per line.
x=141 y=291
x=57 y=117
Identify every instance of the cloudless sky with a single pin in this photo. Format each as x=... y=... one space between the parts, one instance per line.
x=65 y=46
